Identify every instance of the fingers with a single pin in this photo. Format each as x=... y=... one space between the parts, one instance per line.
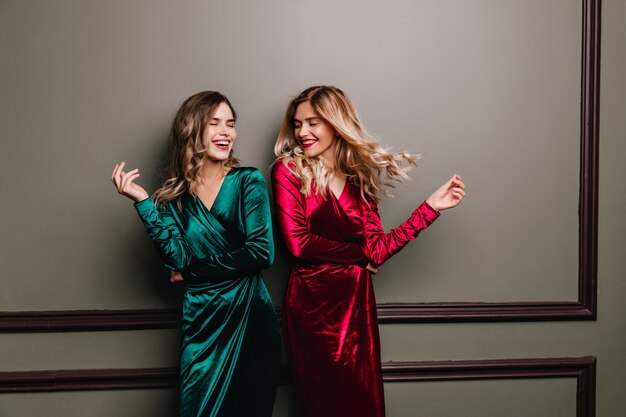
x=116 y=175
x=121 y=179
x=124 y=183
x=454 y=181
x=128 y=178
x=118 y=169
x=457 y=181
x=458 y=190
x=458 y=194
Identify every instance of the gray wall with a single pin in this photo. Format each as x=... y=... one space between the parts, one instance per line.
x=486 y=88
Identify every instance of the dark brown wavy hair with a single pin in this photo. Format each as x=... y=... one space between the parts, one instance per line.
x=186 y=152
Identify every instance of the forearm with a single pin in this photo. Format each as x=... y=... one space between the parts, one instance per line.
x=232 y=264
x=165 y=236
x=311 y=247
x=381 y=246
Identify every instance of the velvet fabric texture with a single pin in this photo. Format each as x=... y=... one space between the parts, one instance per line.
x=330 y=322
x=230 y=355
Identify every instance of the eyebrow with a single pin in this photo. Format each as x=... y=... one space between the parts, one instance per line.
x=217 y=118
x=308 y=119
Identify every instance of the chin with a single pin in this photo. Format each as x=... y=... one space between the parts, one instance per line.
x=219 y=155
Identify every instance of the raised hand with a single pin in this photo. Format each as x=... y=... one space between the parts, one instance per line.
x=124 y=183
x=448 y=195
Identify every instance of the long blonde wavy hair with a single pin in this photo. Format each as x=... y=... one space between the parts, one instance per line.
x=186 y=151
x=356 y=154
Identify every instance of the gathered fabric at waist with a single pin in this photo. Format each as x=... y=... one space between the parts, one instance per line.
x=302 y=267
x=324 y=272
x=221 y=283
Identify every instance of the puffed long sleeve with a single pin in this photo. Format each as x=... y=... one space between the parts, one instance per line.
x=257 y=251
x=294 y=228
x=165 y=234
x=381 y=246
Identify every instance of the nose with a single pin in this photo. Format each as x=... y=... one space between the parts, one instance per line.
x=224 y=131
x=302 y=132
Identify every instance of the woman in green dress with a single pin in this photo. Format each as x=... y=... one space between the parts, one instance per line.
x=211 y=224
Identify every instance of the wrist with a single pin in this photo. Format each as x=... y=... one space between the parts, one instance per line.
x=139 y=198
x=432 y=204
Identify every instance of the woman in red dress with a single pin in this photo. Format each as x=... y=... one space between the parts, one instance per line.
x=326 y=183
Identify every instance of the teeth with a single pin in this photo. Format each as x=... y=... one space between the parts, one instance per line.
x=225 y=143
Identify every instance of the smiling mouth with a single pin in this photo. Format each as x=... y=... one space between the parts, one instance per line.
x=222 y=144
x=307 y=143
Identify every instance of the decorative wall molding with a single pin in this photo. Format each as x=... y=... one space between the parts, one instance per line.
x=89 y=320
x=101 y=320
x=589 y=155
x=584 y=308
x=583 y=369
x=87 y=379
x=483 y=312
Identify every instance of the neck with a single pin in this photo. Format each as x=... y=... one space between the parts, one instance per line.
x=213 y=171
x=328 y=158
x=330 y=164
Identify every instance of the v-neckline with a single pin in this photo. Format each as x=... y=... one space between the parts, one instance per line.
x=338 y=197
x=217 y=196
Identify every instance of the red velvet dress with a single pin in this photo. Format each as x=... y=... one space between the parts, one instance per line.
x=330 y=323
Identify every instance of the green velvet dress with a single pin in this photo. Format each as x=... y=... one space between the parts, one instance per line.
x=230 y=353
